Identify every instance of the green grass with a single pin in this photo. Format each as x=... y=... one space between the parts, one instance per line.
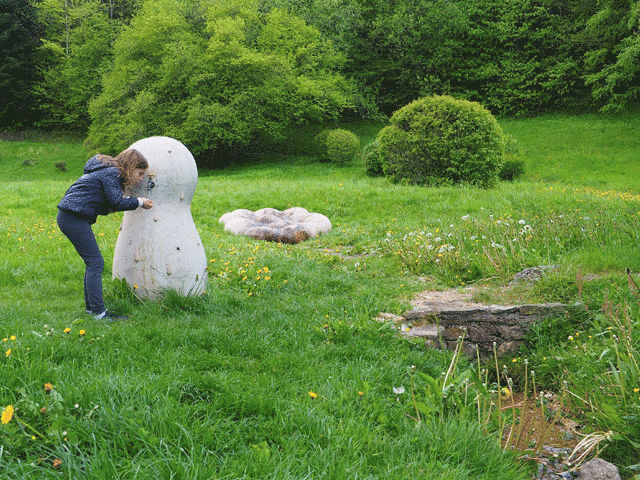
x=218 y=387
x=595 y=150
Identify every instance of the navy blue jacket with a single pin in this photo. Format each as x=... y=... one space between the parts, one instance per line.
x=97 y=192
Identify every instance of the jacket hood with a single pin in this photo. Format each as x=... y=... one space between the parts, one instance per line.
x=94 y=164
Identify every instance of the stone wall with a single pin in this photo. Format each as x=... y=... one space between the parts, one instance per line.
x=480 y=326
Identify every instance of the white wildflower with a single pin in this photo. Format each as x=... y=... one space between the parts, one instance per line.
x=398 y=390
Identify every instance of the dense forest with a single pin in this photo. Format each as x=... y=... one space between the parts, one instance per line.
x=250 y=69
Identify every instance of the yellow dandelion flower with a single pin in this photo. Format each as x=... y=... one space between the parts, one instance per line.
x=67 y=330
x=571 y=338
x=33 y=437
x=12 y=338
x=267 y=278
x=48 y=387
x=81 y=333
x=135 y=286
x=7 y=414
x=361 y=393
x=514 y=360
x=5 y=339
x=7 y=353
x=313 y=394
x=505 y=392
x=636 y=390
x=266 y=269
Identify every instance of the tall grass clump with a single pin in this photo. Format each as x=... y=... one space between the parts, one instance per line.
x=603 y=374
x=500 y=245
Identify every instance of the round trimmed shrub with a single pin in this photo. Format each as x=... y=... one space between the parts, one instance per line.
x=442 y=140
x=320 y=144
x=338 y=145
x=342 y=146
x=372 y=161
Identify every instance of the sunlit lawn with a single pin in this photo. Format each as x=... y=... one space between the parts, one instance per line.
x=221 y=387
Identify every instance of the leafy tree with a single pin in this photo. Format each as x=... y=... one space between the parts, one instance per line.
x=220 y=77
x=514 y=56
x=19 y=37
x=74 y=55
x=613 y=61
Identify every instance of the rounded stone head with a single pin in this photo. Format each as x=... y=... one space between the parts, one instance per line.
x=172 y=175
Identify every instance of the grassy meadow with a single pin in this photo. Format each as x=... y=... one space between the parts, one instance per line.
x=280 y=371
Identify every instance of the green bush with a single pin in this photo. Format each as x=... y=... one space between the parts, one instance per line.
x=442 y=140
x=320 y=144
x=342 y=146
x=512 y=160
x=338 y=145
x=373 y=164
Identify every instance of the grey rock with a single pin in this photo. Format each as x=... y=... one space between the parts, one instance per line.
x=532 y=274
x=508 y=348
x=482 y=325
x=425 y=331
x=389 y=317
x=452 y=333
x=598 y=469
x=509 y=333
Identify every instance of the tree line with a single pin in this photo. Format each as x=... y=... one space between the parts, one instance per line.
x=80 y=64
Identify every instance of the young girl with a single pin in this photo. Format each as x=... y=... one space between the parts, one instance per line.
x=98 y=192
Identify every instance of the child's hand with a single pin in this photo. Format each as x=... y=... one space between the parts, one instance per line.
x=147 y=204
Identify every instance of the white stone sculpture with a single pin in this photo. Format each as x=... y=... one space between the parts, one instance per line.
x=293 y=225
x=159 y=249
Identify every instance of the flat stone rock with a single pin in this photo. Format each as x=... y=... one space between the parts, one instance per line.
x=293 y=225
x=424 y=331
x=389 y=317
x=448 y=315
x=598 y=469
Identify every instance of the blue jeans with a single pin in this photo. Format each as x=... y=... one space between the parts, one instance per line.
x=78 y=230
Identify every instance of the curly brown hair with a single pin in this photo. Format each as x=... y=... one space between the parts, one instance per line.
x=126 y=162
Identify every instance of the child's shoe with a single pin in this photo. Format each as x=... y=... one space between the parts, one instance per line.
x=110 y=317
